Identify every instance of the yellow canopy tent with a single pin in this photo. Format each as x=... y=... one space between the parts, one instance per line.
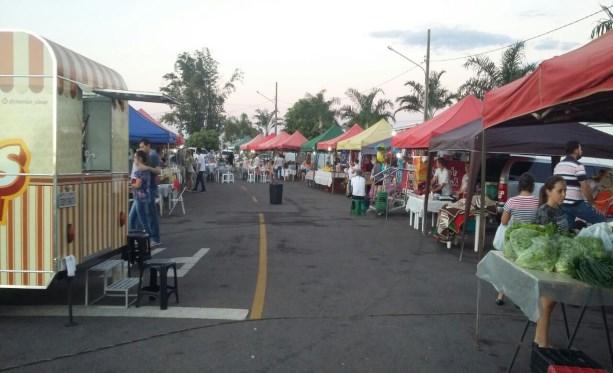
x=377 y=132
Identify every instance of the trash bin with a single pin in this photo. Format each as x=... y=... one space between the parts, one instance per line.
x=276 y=194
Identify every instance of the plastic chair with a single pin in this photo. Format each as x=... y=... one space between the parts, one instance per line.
x=251 y=176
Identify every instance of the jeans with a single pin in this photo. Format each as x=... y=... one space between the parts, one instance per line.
x=134 y=223
x=583 y=211
x=153 y=218
x=200 y=180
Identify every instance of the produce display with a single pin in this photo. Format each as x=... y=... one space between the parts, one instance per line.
x=541 y=248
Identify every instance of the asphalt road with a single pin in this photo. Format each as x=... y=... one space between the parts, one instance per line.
x=342 y=294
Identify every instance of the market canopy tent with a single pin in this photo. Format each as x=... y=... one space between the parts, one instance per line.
x=274 y=140
x=332 y=132
x=331 y=144
x=253 y=144
x=291 y=143
x=372 y=148
x=254 y=140
x=464 y=111
x=526 y=139
x=375 y=133
x=576 y=86
x=239 y=142
x=180 y=138
x=143 y=128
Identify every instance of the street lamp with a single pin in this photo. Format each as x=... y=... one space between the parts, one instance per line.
x=426 y=73
x=274 y=102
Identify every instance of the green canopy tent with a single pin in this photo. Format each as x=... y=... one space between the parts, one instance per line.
x=237 y=143
x=332 y=132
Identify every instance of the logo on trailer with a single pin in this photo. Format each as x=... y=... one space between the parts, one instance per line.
x=14 y=163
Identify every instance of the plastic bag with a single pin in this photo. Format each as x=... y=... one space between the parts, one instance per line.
x=541 y=255
x=499 y=237
x=602 y=231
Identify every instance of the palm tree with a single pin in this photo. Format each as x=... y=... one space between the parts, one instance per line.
x=262 y=120
x=365 y=110
x=489 y=76
x=604 y=24
x=438 y=96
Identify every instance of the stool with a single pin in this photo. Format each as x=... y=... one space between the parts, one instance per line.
x=138 y=249
x=227 y=178
x=251 y=177
x=357 y=206
x=161 y=290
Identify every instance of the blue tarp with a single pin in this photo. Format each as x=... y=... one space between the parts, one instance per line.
x=141 y=127
x=372 y=148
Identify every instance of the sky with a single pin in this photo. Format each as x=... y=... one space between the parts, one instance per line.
x=305 y=46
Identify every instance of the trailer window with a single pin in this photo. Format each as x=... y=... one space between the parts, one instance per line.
x=96 y=134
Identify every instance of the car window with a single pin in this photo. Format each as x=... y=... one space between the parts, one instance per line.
x=539 y=170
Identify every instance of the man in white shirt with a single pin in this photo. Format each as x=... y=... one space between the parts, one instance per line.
x=440 y=182
x=278 y=165
x=202 y=163
x=358 y=185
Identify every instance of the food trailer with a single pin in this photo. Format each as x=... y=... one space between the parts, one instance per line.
x=63 y=158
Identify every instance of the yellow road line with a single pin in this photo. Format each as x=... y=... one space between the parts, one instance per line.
x=260 y=288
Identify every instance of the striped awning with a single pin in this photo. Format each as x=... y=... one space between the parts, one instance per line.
x=23 y=54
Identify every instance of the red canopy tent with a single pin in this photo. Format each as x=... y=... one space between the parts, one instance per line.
x=464 y=111
x=331 y=144
x=274 y=140
x=254 y=140
x=293 y=142
x=577 y=85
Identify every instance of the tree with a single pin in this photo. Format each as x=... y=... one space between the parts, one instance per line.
x=262 y=120
x=205 y=138
x=311 y=115
x=365 y=110
x=489 y=76
x=604 y=24
x=438 y=96
x=237 y=128
x=195 y=85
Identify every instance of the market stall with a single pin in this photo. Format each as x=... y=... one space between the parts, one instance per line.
x=141 y=127
x=311 y=145
x=253 y=141
x=330 y=144
x=271 y=142
x=373 y=134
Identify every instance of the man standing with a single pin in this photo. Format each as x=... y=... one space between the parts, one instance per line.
x=202 y=163
x=153 y=167
x=579 y=199
x=278 y=166
x=440 y=181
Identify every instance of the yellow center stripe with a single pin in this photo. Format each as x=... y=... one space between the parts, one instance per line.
x=260 y=288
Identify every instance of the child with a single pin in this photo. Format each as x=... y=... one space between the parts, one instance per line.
x=551 y=197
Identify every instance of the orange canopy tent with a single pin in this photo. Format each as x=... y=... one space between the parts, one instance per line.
x=331 y=144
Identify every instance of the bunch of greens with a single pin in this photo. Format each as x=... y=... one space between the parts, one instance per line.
x=542 y=255
x=518 y=237
x=570 y=248
x=595 y=271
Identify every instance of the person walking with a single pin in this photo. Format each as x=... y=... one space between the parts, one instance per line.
x=202 y=164
x=153 y=166
x=579 y=200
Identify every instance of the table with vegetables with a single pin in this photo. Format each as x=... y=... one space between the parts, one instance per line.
x=537 y=261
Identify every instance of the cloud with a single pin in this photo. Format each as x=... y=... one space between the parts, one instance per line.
x=532 y=13
x=552 y=44
x=455 y=38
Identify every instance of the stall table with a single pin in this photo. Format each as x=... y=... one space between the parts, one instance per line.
x=525 y=287
x=327 y=178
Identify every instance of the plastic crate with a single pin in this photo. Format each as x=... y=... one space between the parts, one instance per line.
x=544 y=358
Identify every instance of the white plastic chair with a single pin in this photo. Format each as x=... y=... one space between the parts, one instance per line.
x=264 y=177
x=228 y=178
x=251 y=176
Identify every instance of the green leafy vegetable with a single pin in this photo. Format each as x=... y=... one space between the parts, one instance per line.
x=597 y=271
x=541 y=254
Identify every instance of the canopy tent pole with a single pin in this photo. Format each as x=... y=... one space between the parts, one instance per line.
x=481 y=217
x=428 y=181
x=473 y=171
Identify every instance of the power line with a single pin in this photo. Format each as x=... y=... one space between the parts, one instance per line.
x=522 y=41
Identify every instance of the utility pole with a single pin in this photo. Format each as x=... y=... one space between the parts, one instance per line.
x=427 y=86
x=276 y=87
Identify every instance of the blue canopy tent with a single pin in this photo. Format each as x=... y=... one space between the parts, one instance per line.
x=141 y=127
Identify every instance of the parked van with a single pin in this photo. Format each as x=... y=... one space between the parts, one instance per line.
x=541 y=169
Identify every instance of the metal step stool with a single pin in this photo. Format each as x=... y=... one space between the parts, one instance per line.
x=118 y=288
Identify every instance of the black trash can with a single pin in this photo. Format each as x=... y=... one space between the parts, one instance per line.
x=276 y=194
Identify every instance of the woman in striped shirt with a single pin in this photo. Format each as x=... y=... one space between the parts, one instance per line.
x=520 y=209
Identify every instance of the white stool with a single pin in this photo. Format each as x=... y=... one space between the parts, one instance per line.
x=264 y=177
x=251 y=176
x=227 y=178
